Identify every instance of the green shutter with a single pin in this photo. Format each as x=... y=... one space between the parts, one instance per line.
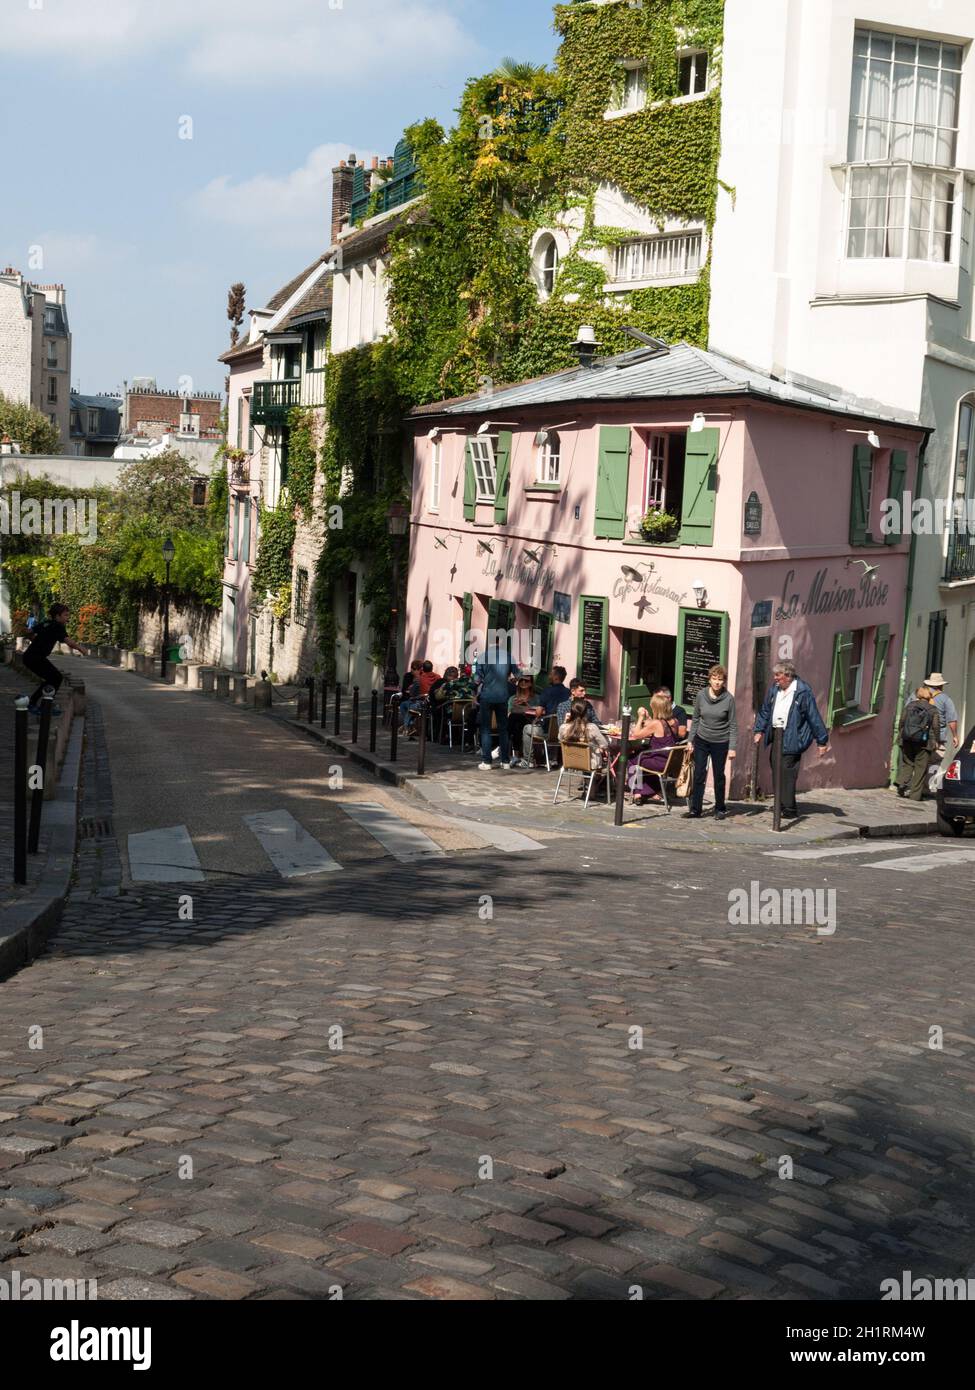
x=895 y=488
x=880 y=652
x=246 y=547
x=502 y=474
x=842 y=646
x=860 y=500
x=468 y=610
x=470 y=484
x=612 y=479
x=236 y=550
x=700 y=487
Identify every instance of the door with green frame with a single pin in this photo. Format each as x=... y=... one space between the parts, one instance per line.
x=649 y=661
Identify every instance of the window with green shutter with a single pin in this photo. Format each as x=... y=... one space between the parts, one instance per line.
x=861 y=497
x=467 y=610
x=470 y=482
x=842 y=649
x=502 y=470
x=880 y=653
x=895 y=489
x=612 y=480
x=700 y=487
x=235 y=553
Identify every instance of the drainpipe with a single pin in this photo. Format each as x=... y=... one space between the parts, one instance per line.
x=895 y=752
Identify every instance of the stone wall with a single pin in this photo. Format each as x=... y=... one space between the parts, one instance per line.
x=202 y=624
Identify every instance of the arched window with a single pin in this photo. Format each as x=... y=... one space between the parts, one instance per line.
x=546 y=264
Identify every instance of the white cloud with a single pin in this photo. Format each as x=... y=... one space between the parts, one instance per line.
x=287 y=210
x=248 y=41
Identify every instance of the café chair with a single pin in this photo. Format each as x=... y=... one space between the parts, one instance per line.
x=456 y=716
x=549 y=738
x=577 y=757
x=669 y=773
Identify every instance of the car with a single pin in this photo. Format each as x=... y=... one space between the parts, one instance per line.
x=956 y=795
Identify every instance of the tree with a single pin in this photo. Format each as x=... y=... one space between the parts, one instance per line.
x=235 y=310
x=159 y=488
x=28 y=427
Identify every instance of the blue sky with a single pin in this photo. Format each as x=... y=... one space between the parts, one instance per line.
x=147 y=230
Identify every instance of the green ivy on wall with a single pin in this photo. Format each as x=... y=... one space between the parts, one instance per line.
x=302 y=459
x=272 y=569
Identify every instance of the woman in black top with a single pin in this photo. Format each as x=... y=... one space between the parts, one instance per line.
x=37 y=656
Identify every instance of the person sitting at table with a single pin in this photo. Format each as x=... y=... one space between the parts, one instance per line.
x=553 y=697
x=578 y=727
x=521 y=712
x=426 y=679
x=415 y=668
x=680 y=714
x=661 y=732
x=577 y=691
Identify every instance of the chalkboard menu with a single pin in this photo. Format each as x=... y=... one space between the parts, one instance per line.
x=592 y=644
x=701 y=645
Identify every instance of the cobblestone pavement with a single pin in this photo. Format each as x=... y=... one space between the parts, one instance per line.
x=488 y=1130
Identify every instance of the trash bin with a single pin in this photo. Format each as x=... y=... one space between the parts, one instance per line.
x=172 y=655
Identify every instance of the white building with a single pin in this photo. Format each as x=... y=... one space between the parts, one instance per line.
x=843 y=251
x=35 y=348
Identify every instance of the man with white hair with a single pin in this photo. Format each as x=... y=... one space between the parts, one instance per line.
x=790 y=705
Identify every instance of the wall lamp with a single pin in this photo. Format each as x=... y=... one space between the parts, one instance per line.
x=485 y=426
x=873 y=438
x=434 y=434
x=486 y=545
x=631 y=575
x=868 y=569
x=541 y=438
x=700 y=593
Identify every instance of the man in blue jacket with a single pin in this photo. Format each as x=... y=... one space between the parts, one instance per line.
x=495 y=674
x=790 y=705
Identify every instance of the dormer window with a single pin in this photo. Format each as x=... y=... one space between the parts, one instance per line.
x=692 y=72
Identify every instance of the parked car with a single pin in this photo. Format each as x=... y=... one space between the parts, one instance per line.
x=956 y=795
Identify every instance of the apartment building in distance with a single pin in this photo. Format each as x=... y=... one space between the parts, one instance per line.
x=35 y=348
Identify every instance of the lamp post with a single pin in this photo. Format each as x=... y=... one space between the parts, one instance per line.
x=168 y=550
x=397 y=520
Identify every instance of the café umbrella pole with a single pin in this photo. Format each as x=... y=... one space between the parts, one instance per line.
x=621 y=764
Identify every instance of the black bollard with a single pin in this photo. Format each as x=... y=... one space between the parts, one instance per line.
x=393 y=726
x=777 y=779
x=37 y=795
x=621 y=765
x=373 y=720
x=355 y=714
x=338 y=710
x=20 y=790
x=421 y=740
x=310 y=683
x=324 y=700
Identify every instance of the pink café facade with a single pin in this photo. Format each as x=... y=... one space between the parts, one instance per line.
x=526 y=516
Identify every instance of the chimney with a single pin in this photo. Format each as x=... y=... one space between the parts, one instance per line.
x=342 y=177
x=585 y=345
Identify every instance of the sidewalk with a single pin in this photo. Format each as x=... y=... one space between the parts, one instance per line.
x=12 y=686
x=454 y=786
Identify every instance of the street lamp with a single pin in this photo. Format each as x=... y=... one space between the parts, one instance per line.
x=168 y=551
x=397 y=521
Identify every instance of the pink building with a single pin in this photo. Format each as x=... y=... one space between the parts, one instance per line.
x=529 y=508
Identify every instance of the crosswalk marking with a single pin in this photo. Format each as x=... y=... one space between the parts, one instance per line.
x=500 y=836
x=873 y=848
x=402 y=840
x=164 y=856
x=924 y=863
x=290 y=848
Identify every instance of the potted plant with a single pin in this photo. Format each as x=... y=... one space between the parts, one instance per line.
x=659 y=527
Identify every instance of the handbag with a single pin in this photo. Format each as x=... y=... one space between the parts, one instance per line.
x=685 y=778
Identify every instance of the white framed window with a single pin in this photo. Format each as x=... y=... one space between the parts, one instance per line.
x=854 y=669
x=546 y=264
x=93 y=421
x=52 y=354
x=550 y=460
x=482 y=456
x=50 y=319
x=964 y=488
x=902 y=212
x=435 y=471
x=655 y=474
x=631 y=89
x=692 y=72
x=905 y=99
x=669 y=257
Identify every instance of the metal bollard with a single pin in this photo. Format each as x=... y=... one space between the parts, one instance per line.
x=324 y=700
x=338 y=710
x=20 y=789
x=421 y=740
x=37 y=795
x=393 y=726
x=355 y=714
x=310 y=683
x=777 y=779
x=373 y=720
x=621 y=765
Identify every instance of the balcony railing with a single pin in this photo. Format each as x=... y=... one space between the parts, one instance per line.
x=961 y=558
x=272 y=401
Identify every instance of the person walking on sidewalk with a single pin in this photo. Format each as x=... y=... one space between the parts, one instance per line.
x=714 y=735
x=790 y=705
x=945 y=706
x=920 y=730
x=37 y=657
x=496 y=674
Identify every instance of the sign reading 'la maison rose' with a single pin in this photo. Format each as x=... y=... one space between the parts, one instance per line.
x=531 y=576
x=867 y=594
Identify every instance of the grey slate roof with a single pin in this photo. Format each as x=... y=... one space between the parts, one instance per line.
x=681 y=371
x=314 y=303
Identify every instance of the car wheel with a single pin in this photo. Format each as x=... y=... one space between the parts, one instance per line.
x=950 y=827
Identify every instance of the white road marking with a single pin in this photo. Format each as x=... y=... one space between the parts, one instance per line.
x=924 y=863
x=403 y=841
x=500 y=836
x=288 y=845
x=873 y=848
x=164 y=856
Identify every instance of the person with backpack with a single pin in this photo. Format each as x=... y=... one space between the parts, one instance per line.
x=37 y=656
x=920 y=732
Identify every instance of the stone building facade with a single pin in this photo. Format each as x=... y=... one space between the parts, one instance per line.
x=35 y=348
